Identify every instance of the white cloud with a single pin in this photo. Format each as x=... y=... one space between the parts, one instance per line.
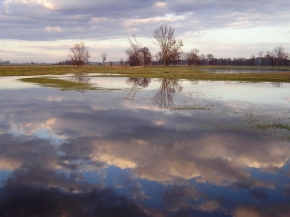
x=160 y=4
x=53 y=29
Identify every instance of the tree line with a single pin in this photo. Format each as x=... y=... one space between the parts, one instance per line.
x=171 y=53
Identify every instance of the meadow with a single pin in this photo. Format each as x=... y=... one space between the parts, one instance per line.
x=272 y=74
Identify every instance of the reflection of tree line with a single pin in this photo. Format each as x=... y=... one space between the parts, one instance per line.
x=81 y=77
x=137 y=83
x=164 y=95
x=276 y=84
x=82 y=81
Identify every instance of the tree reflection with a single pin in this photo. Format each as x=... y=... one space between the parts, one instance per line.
x=194 y=82
x=276 y=84
x=164 y=96
x=81 y=77
x=137 y=83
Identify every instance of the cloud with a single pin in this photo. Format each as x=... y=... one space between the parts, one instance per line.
x=264 y=211
x=94 y=19
x=19 y=151
x=49 y=22
x=35 y=192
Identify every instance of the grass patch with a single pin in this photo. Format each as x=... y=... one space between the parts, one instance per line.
x=59 y=84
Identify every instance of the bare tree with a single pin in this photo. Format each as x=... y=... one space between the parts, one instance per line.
x=121 y=62
x=134 y=51
x=252 y=60
x=192 y=57
x=195 y=56
x=184 y=57
x=104 y=57
x=209 y=58
x=164 y=36
x=279 y=55
x=286 y=59
x=80 y=55
x=270 y=58
x=146 y=56
x=158 y=57
x=188 y=58
x=202 y=59
x=261 y=56
x=175 y=50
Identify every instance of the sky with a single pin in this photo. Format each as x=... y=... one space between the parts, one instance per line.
x=44 y=30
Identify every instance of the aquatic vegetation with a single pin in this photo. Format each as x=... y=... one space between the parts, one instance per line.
x=59 y=83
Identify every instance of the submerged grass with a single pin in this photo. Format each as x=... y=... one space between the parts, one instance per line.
x=280 y=74
x=59 y=84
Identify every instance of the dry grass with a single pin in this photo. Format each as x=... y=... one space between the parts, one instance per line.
x=281 y=74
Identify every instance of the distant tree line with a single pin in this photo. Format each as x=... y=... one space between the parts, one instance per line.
x=6 y=62
x=171 y=53
x=277 y=57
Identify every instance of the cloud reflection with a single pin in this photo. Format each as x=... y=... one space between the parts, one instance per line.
x=191 y=167
x=47 y=193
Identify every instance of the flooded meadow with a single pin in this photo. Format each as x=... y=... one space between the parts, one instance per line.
x=144 y=147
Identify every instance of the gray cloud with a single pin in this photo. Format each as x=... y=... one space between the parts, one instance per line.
x=52 y=20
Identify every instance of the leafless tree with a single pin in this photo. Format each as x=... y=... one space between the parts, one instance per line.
x=175 y=50
x=121 y=62
x=192 y=57
x=209 y=58
x=184 y=57
x=104 y=57
x=286 y=59
x=111 y=63
x=195 y=56
x=158 y=57
x=252 y=60
x=80 y=55
x=279 y=55
x=261 y=56
x=164 y=36
x=189 y=58
x=134 y=52
x=202 y=59
x=270 y=58
x=146 y=56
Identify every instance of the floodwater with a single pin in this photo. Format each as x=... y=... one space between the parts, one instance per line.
x=145 y=147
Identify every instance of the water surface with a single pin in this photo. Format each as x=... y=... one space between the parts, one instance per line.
x=145 y=147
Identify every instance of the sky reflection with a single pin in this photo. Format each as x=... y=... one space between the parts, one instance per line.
x=195 y=152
